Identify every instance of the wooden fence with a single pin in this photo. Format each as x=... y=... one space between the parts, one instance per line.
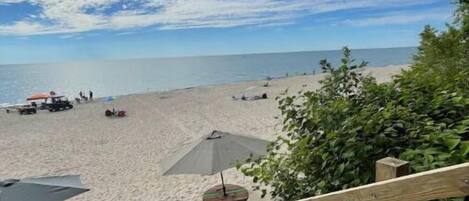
x=440 y=183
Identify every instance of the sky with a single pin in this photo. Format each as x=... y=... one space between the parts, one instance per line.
x=44 y=31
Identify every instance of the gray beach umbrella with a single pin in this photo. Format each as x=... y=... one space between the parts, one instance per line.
x=214 y=153
x=41 y=189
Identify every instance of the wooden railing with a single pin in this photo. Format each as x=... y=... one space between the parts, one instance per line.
x=448 y=182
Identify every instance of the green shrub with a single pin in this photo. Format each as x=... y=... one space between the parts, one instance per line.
x=334 y=135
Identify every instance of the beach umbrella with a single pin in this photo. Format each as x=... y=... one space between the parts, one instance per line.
x=57 y=188
x=38 y=96
x=214 y=153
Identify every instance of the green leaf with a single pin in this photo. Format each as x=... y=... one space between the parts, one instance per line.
x=465 y=148
x=322 y=184
x=451 y=143
x=431 y=150
x=349 y=154
x=341 y=169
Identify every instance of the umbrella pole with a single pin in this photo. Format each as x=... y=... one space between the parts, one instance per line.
x=223 y=184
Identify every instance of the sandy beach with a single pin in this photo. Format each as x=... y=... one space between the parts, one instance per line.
x=118 y=159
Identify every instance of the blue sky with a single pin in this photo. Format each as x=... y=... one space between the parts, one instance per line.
x=37 y=31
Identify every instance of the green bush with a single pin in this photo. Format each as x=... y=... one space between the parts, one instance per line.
x=334 y=135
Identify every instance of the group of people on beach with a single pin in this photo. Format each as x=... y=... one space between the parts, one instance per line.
x=83 y=97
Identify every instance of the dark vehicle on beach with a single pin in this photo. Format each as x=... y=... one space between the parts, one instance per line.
x=58 y=103
x=26 y=110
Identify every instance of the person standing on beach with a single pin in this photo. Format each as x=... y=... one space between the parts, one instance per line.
x=81 y=94
x=91 y=95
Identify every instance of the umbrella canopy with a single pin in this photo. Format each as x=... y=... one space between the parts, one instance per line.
x=41 y=189
x=213 y=154
x=38 y=96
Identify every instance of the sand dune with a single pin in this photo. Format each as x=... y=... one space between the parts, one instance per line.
x=119 y=158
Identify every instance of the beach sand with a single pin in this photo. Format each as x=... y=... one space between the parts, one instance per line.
x=119 y=158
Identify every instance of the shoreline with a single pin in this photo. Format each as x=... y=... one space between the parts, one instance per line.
x=99 y=98
x=366 y=69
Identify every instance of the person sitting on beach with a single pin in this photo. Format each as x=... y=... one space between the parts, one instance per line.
x=245 y=98
x=263 y=96
x=108 y=113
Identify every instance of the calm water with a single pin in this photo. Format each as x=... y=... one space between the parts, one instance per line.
x=107 y=78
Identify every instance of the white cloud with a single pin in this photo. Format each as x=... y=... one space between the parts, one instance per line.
x=68 y=36
x=72 y=16
x=400 y=18
x=125 y=33
x=22 y=28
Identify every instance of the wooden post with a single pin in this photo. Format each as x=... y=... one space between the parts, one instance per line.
x=389 y=168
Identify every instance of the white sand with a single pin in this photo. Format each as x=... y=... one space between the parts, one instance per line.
x=119 y=158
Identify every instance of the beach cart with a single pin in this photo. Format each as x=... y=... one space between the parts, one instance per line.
x=26 y=109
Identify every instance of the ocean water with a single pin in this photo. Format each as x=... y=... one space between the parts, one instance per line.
x=109 y=78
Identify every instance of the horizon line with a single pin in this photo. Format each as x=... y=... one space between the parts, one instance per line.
x=195 y=56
